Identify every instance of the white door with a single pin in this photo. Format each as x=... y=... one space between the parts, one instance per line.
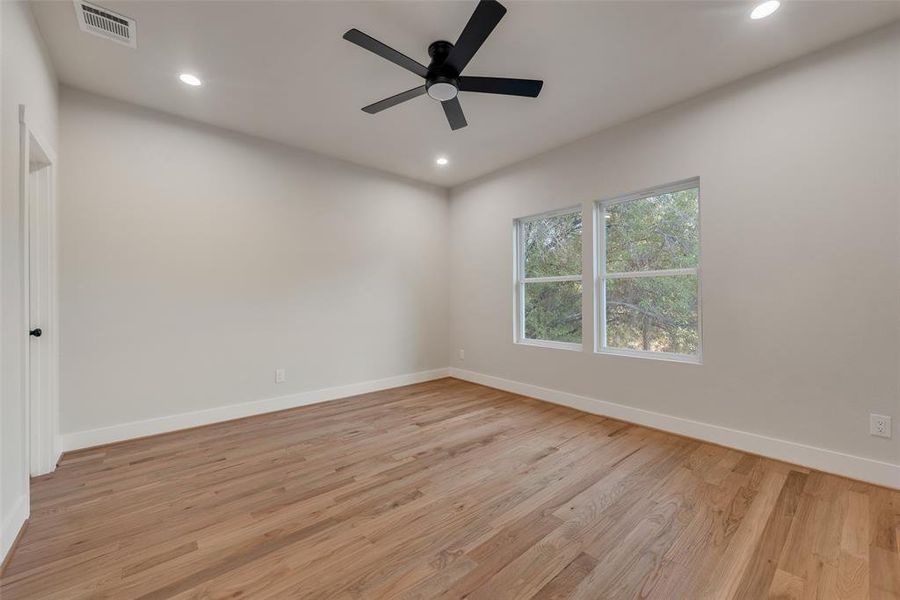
x=39 y=265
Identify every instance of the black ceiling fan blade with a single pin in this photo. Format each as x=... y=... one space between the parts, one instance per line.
x=454 y=113
x=482 y=22
x=379 y=106
x=384 y=51
x=501 y=85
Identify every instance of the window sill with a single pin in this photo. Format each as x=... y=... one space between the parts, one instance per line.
x=666 y=356
x=549 y=344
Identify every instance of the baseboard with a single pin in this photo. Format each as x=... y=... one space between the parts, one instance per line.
x=125 y=431
x=829 y=461
x=12 y=528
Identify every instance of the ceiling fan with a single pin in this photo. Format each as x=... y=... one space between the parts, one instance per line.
x=443 y=76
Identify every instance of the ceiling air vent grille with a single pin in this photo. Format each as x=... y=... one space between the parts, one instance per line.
x=106 y=24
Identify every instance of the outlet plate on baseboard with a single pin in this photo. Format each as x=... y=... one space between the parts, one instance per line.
x=279 y=375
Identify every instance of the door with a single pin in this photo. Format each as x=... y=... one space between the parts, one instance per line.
x=39 y=268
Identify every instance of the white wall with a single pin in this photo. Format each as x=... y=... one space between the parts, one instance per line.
x=195 y=261
x=800 y=186
x=27 y=78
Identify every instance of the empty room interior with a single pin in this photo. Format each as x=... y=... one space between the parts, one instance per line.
x=446 y=299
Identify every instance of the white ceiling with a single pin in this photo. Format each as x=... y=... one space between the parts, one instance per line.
x=280 y=70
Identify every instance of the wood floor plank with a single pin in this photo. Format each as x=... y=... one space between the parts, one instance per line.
x=760 y=572
x=447 y=490
x=566 y=582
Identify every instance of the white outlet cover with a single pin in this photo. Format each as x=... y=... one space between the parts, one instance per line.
x=279 y=375
x=880 y=425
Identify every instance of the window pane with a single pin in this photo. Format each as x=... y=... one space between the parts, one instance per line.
x=552 y=245
x=659 y=232
x=553 y=311
x=658 y=314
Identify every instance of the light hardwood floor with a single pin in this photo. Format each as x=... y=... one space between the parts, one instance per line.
x=447 y=490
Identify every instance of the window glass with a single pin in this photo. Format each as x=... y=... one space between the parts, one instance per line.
x=654 y=314
x=553 y=311
x=654 y=233
x=552 y=245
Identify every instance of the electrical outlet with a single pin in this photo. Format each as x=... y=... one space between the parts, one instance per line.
x=880 y=425
x=279 y=375
x=462 y=354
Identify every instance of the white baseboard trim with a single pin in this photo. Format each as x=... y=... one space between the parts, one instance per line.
x=125 y=431
x=12 y=525
x=829 y=461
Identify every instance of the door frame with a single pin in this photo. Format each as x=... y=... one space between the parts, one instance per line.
x=38 y=235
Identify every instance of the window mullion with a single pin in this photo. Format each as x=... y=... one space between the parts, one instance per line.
x=657 y=273
x=551 y=279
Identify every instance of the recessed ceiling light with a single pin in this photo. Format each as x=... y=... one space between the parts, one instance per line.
x=765 y=9
x=190 y=79
x=441 y=160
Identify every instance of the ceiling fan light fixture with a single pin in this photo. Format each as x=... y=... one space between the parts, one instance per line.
x=190 y=79
x=763 y=10
x=441 y=161
x=442 y=90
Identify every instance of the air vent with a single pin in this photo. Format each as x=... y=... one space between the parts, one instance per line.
x=106 y=24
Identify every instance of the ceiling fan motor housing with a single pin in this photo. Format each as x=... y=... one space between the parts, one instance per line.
x=442 y=82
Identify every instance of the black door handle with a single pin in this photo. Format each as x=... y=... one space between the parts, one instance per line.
x=36 y=332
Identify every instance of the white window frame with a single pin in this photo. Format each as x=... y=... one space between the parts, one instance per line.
x=601 y=276
x=520 y=280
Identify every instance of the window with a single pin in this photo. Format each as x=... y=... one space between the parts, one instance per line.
x=548 y=279
x=648 y=273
